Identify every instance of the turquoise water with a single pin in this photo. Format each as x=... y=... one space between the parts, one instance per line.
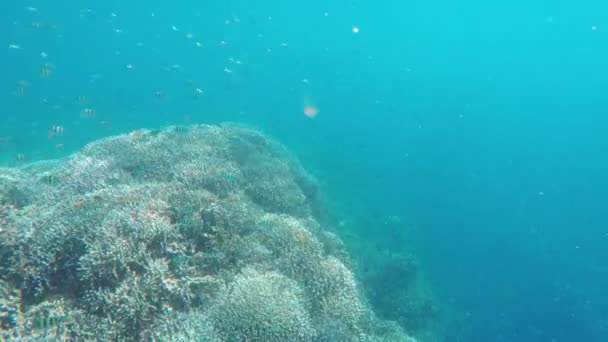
x=468 y=134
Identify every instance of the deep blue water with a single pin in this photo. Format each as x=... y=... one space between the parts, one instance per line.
x=482 y=125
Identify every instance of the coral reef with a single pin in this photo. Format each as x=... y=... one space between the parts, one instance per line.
x=202 y=233
x=391 y=277
x=397 y=293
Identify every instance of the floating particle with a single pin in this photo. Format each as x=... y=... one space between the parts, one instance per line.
x=311 y=111
x=355 y=29
x=130 y=66
x=14 y=47
x=44 y=55
x=174 y=28
x=189 y=35
x=198 y=44
x=594 y=28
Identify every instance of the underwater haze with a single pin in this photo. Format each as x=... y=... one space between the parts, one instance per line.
x=459 y=150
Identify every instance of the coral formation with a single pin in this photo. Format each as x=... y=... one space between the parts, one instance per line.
x=393 y=281
x=262 y=306
x=202 y=233
x=397 y=293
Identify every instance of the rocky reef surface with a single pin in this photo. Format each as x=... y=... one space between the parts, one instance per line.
x=200 y=233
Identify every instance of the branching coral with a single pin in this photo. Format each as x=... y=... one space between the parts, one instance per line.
x=200 y=233
x=262 y=306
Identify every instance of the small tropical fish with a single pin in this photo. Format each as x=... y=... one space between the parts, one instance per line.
x=78 y=204
x=86 y=13
x=93 y=78
x=21 y=87
x=104 y=124
x=47 y=70
x=56 y=131
x=20 y=157
x=5 y=141
x=181 y=129
x=87 y=113
x=49 y=179
x=172 y=67
x=159 y=94
x=198 y=92
x=42 y=26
